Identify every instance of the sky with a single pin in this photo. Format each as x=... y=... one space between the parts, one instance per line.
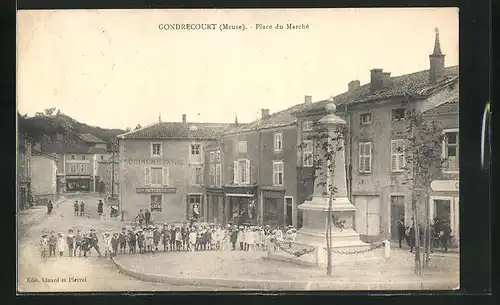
x=117 y=69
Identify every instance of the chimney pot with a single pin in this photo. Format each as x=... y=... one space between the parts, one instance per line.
x=183 y=118
x=264 y=113
x=308 y=99
x=353 y=85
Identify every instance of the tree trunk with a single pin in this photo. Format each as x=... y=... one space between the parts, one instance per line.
x=428 y=236
x=417 y=243
x=329 y=269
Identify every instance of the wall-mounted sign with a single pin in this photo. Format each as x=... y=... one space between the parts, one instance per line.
x=445 y=185
x=148 y=190
x=171 y=162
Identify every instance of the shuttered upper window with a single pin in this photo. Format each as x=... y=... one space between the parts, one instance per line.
x=397 y=155
x=365 y=157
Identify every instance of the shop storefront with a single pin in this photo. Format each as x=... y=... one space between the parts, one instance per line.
x=215 y=205
x=241 y=206
x=78 y=184
x=444 y=203
x=273 y=203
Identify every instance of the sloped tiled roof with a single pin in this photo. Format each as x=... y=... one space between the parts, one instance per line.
x=90 y=138
x=411 y=85
x=68 y=148
x=178 y=130
x=278 y=119
x=450 y=107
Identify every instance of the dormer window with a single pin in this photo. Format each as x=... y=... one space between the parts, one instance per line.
x=72 y=157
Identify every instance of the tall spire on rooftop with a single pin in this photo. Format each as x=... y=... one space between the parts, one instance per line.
x=437 y=44
x=159 y=117
x=436 y=72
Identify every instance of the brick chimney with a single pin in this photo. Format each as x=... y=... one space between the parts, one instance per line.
x=353 y=85
x=183 y=118
x=436 y=71
x=264 y=113
x=308 y=99
x=376 y=79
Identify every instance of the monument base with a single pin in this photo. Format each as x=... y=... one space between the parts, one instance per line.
x=347 y=247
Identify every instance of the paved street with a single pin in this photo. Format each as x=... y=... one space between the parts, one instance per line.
x=100 y=274
x=89 y=274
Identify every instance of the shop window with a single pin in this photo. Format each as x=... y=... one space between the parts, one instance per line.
x=156 y=203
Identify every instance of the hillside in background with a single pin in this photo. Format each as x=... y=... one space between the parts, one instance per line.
x=44 y=126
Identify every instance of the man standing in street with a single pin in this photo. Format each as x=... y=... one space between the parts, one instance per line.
x=401 y=231
x=76 y=207
x=82 y=209
x=100 y=209
x=147 y=217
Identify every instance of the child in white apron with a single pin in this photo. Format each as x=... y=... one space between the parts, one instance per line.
x=61 y=243
x=108 y=249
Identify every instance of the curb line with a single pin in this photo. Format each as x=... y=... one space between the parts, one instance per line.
x=284 y=285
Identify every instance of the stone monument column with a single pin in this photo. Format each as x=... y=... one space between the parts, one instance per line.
x=315 y=211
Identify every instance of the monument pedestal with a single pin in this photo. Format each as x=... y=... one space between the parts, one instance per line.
x=345 y=242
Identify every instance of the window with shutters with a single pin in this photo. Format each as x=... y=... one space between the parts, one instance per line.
x=307 y=156
x=218 y=175
x=83 y=168
x=84 y=157
x=365 y=157
x=73 y=168
x=156 y=203
x=156 y=176
x=278 y=173
x=217 y=156
x=212 y=174
x=450 y=150
x=397 y=155
x=197 y=174
x=278 y=141
x=156 y=149
x=212 y=156
x=241 y=171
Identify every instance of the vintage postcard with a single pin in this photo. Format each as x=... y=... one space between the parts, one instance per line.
x=255 y=149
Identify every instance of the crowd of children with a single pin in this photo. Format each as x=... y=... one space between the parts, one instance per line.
x=185 y=237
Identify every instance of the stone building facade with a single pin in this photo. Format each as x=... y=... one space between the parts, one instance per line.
x=161 y=169
x=44 y=174
x=375 y=116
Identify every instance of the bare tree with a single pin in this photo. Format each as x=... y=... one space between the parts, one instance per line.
x=326 y=145
x=424 y=162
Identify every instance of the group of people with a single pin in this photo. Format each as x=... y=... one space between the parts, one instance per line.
x=56 y=244
x=440 y=232
x=185 y=237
